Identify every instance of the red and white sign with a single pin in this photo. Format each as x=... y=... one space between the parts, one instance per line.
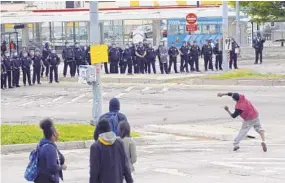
x=191 y=18
x=191 y=28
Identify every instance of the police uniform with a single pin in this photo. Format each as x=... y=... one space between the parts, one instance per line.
x=37 y=64
x=173 y=53
x=219 y=57
x=134 y=58
x=79 y=59
x=54 y=61
x=9 y=70
x=127 y=61
x=26 y=68
x=16 y=70
x=114 y=55
x=150 y=60
x=3 y=75
x=207 y=52
x=45 y=54
x=184 y=50
x=233 y=54
x=258 y=46
x=68 y=57
x=140 y=52
x=195 y=52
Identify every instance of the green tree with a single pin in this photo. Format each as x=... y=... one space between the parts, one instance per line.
x=263 y=11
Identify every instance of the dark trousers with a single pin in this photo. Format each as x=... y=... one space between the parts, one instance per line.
x=114 y=68
x=37 y=75
x=78 y=63
x=3 y=80
x=136 y=66
x=219 y=62
x=258 y=56
x=9 y=77
x=165 y=68
x=151 y=64
x=233 y=60
x=53 y=71
x=66 y=64
x=141 y=63
x=145 y=66
x=160 y=66
x=172 y=60
x=130 y=66
x=184 y=63
x=45 y=68
x=72 y=68
x=27 y=75
x=123 y=67
x=208 y=62
x=191 y=63
x=16 y=77
x=196 y=63
x=106 y=67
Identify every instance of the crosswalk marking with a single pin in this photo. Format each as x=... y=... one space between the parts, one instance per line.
x=120 y=95
x=25 y=104
x=77 y=98
x=146 y=89
x=57 y=99
x=103 y=94
x=129 y=88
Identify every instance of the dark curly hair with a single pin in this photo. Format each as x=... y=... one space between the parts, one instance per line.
x=48 y=128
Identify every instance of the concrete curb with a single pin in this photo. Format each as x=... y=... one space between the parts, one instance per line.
x=241 y=82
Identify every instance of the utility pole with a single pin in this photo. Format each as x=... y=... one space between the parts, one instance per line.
x=225 y=35
x=237 y=23
x=94 y=40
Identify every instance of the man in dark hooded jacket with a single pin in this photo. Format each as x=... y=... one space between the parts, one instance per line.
x=114 y=108
x=108 y=160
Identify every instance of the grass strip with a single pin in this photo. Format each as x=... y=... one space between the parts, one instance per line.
x=26 y=133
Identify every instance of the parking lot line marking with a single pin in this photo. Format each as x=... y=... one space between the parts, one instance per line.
x=103 y=94
x=229 y=164
x=164 y=89
x=255 y=159
x=28 y=103
x=256 y=163
x=119 y=95
x=57 y=99
x=77 y=98
x=146 y=89
x=129 y=88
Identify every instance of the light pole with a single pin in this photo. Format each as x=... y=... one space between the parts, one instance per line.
x=237 y=23
x=94 y=40
x=225 y=35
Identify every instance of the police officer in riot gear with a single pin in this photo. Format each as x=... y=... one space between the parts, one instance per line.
x=163 y=54
x=127 y=60
x=173 y=53
x=258 y=46
x=16 y=69
x=45 y=53
x=3 y=74
x=54 y=61
x=9 y=68
x=37 y=65
x=140 y=53
x=115 y=56
x=207 y=52
x=219 y=55
x=26 y=68
x=79 y=57
x=184 y=52
x=195 y=52
x=69 y=60
x=150 y=59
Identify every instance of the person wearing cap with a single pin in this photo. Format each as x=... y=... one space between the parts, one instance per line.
x=195 y=52
x=9 y=68
x=173 y=53
x=53 y=61
x=184 y=52
x=141 y=53
x=115 y=56
x=249 y=114
x=258 y=46
x=16 y=69
x=69 y=60
x=37 y=64
x=207 y=52
x=45 y=53
x=79 y=58
x=26 y=67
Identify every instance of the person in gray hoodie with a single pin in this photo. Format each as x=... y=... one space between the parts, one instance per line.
x=129 y=144
x=108 y=160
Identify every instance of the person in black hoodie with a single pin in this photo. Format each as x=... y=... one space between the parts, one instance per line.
x=51 y=162
x=108 y=160
x=114 y=107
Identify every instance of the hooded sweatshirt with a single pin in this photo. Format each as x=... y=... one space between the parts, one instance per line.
x=49 y=167
x=114 y=107
x=108 y=161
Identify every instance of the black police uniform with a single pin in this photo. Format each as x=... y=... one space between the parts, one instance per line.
x=114 y=55
x=68 y=57
x=233 y=55
x=127 y=61
x=45 y=54
x=184 y=58
x=16 y=70
x=145 y=45
x=207 y=52
x=9 y=70
x=150 y=60
x=258 y=46
x=195 y=52
x=134 y=59
x=3 y=75
x=26 y=68
x=79 y=59
x=37 y=64
x=54 y=61
x=140 y=52
x=173 y=53
x=219 y=57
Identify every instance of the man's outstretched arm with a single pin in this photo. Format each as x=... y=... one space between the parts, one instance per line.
x=224 y=94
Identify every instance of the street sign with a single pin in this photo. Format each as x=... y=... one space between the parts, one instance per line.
x=191 y=28
x=191 y=18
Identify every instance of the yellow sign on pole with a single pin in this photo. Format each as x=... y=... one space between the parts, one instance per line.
x=98 y=53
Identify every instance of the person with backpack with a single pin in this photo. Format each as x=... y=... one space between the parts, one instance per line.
x=113 y=116
x=50 y=161
x=124 y=131
x=108 y=160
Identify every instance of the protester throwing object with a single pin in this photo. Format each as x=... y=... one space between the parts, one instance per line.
x=249 y=114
